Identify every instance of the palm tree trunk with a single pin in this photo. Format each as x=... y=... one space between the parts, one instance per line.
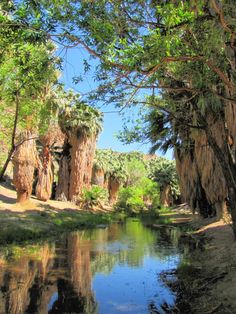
x=82 y=155
x=89 y=164
x=114 y=186
x=165 y=195
x=77 y=164
x=24 y=161
x=227 y=164
x=62 y=190
x=98 y=177
x=45 y=176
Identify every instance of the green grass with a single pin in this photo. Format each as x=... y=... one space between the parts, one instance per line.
x=33 y=227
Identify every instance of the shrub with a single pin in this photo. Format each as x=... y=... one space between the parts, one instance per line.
x=95 y=196
x=130 y=199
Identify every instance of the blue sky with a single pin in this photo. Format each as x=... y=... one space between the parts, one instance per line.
x=73 y=66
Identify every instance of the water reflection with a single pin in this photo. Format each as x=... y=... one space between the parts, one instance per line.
x=113 y=270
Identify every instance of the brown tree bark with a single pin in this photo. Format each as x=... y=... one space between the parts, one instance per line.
x=53 y=137
x=91 y=147
x=25 y=160
x=114 y=186
x=81 y=165
x=98 y=177
x=45 y=175
x=78 y=162
x=62 y=190
x=165 y=195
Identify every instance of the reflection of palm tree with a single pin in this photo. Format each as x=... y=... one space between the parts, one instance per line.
x=80 y=274
x=22 y=279
x=79 y=263
x=70 y=301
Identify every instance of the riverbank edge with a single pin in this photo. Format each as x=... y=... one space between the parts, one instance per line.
x=205 y=281
x=28 y=228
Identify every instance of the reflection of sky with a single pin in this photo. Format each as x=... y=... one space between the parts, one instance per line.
x=139 y=255
x=53 y=299
x=114 y=247
x=130 y=289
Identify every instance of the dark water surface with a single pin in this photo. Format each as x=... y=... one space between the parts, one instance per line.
x=106 y=270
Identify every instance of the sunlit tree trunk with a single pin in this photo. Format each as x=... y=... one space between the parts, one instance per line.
x=114 y=186
x=78 y=163
x=25 y=160
x=165 y=195
x=91 y=147
x=106 y=182
x=52 y=137
x=82 y=155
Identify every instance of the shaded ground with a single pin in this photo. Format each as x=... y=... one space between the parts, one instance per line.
x=210 y=277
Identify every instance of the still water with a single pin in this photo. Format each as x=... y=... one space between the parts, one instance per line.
x=106 y=270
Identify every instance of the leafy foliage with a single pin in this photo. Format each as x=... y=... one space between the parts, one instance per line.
x=111 y=163
x=94 y=196
x=130 y=200
x=136 y=198
x=163 y=172
x=76 y=115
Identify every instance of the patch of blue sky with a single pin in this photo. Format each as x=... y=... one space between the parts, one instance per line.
x=73 y=66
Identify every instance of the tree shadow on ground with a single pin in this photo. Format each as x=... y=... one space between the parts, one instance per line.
x=7 y=199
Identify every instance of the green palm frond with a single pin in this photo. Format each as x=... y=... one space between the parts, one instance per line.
x=75 y=114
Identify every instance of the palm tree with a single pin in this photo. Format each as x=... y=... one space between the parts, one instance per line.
x=163 y=172
x=49 y=135
x=200 y=176
x=81 y=124
x=109 y=172
x=47 y=141
x=101 y=166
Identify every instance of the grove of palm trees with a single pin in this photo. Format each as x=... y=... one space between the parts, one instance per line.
x=167 y=68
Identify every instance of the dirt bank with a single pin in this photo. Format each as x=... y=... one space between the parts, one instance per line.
x=8 y=202
x=208 y=279
x=36 y=220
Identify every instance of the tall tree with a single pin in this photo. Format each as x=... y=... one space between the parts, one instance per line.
x=26 y=66
x=176 y=46
x=81 y=124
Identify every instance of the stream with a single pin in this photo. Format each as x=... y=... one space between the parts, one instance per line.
x=108 y=270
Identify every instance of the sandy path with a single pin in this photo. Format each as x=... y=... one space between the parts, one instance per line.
x=8 y=202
